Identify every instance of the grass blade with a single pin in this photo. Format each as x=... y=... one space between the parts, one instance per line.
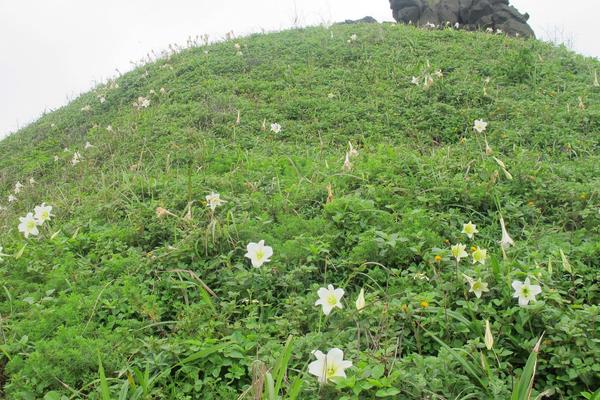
x=524 y=386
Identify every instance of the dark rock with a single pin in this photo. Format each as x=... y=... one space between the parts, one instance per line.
x=470 y=14
x=365 y=20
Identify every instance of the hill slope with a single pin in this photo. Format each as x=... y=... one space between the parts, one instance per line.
x=134 y=268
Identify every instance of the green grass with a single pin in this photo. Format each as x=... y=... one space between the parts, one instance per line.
x=111 y=298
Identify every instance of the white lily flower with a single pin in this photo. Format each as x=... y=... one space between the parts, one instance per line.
x=28 y=225
x=456 y=25
x=329 y=366
x=478 y=287
x=88 y=145
x=458 y=251
x=18 y=187
x=525 y=291
x=43 y=213
x=480 y=256
x=2 y=254
x=141 y=102
x=506 y=241
x=329 y=298
x=213 y=201
x=480 y=125
x=415 y=81
x=12 y=198
x=76 y=158
x=470 y=229
x=258 y=253
x=56 y=158
x=489 y=30
x=109 y=128
x=276 y=128
x=360 y=300
x=32 y=181
x=86 y=108
x=489 y=338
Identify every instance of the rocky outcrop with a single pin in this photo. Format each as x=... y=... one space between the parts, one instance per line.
x=469 y=14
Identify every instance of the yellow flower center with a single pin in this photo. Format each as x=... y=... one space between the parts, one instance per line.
x=330 y=372
x=30 y=225
x=476 y=286
x=260 y=254
x=525 y=292
x=331 y=299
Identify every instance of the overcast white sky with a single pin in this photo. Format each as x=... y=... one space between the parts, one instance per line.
x=53 y=50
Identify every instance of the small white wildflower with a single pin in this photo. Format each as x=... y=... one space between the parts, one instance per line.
x=329 y=298
x=141 y=102
x=415 y=81
x=480 y=256
x=478 y=287
x=276 y=128
x=258 y=253
x=18 y=187
x=28 y=225
x=86 y=108
x=109 y=128
x=470 y=230
x=76 y=158
x=458 y=251
x=43 y=213
x=331 y=365
x=213 y=201
x=88 y=145
x=32 y=181
x=12 y=198
x=480 y=125
x=525 y=291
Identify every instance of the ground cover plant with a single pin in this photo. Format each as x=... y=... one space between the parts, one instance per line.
x=349 y=212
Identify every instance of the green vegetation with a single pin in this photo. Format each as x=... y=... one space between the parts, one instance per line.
x=113 y=301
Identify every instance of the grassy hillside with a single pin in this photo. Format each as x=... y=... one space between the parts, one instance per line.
x=136 y=289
